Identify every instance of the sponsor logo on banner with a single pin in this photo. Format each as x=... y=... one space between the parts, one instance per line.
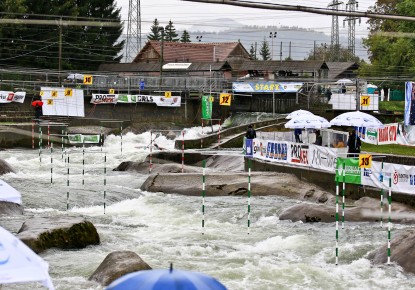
x=280 y=151
x=395 y=177
x=104 y=99
x=144 y=99
x=322 y=158
x=387 y=135
x=299 y=154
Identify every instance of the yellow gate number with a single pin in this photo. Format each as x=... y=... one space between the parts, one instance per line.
x=365 y=101
x=87 y=80
x=54 y=94
x=225 y=100
x=111 y=91
x=211 y=99
x=365 y=161
x=68 y=92
x=167 y=95
x=49 y=102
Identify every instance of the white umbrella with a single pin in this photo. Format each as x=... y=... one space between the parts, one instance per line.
x=344 y=81
x=356 y=119
x=307 y=122
x=298 y=113
x=18 y=263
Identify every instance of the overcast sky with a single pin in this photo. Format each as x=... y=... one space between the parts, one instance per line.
x=193 y=15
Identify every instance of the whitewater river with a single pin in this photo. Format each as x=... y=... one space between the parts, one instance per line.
x=163 y=228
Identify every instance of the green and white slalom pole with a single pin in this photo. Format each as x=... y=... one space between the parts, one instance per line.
x=249 y=194
x=203 y=195
x=389 y=219
x=121 y=138
x=337 y=222
x=67 y=184
x=101 y=135
x=343 y=192
x=105 y=181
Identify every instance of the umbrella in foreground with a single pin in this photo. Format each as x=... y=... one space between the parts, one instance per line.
x=166 y=280
x=298 y=113
x=356 y=119
x=307 y=122
x=18 y=263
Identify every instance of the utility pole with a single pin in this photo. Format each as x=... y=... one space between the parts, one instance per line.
x=60 y=52
x=161 y=55
x=272 y=35
x=335 y=39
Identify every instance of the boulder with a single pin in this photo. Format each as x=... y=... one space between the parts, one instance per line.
x=144 y=167
x=65 y=233
x=116 y=265
x=402 y=251
x=228 y=183
x=10 y=208
x=5 y=167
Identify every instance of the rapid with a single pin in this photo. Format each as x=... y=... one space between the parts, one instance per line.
x=163 y=228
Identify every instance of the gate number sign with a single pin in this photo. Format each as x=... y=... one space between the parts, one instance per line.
x=365 y=160
x=225 y=100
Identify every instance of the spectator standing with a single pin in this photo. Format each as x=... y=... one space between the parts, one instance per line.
x=297 y=134
x=353 y=144
x=250 y=133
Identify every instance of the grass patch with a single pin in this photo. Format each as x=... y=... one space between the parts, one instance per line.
x=389 y=149
x=396 y=106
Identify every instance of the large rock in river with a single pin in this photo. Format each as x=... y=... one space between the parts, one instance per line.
x=41 y=234
x=10 y=208
x=116 y=265
x=143 y=167
x=402 y=251
x=5 y=167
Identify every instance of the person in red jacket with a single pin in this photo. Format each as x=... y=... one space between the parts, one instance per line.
x=37 y=104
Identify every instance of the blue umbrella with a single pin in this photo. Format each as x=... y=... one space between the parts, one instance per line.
x=166 y=280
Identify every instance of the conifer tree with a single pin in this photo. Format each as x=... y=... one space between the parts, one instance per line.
x=185 y=37
x=252 y=52
x=155 y=33
x=264 y=52
x=170 y=33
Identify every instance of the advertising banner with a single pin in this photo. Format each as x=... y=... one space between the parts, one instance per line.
x=161 y=101
x=299 y=153
x=347 y=170
x=388 y=134
x=57 y=103
x=367 y=135
x=249 y=147
x=83 y=139
x=324 y=158
x=129 y=99
x=409 y=115
x=8 y=97
x=266 y=87
x=206 y=107
x=104 y=99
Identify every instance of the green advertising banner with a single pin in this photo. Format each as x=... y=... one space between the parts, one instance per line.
x=347 y=170
x=206 y=108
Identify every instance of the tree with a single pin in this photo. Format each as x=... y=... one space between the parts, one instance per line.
x=170 y=32
x=82 y=47
x=264 y=52
x=252 y=52
x=185 y=37
x=155 y=31
x=390 y=52
x=326 y=52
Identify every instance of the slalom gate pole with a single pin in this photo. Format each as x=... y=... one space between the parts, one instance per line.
x=182 y=151
x=151 y=149
x=343 y=192
x=249 y=194
x=33 y=134
x=51 y=163
x=389 y=220
x=48 y=134
x=201 y=138
x=121 y=138
x=67 y=185
x=337 y=222
x=62 y=141
x=219 y=135
x=203 y=196
x=381 y=207
x=40 y=144
x=105 y=181
x=83 y=163
x=101 y=137
x=381 y=198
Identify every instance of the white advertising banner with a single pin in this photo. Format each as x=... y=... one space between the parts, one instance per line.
x=161 y=101
x=62 y=102
x=324 y=158
x=104 y=99
x=8 y=97
x=298 y=153
x=388 y=134
x=403 y=177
